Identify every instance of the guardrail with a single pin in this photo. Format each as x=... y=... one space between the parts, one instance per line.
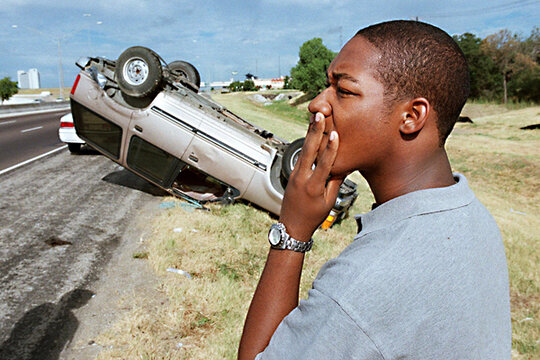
x=13 y=109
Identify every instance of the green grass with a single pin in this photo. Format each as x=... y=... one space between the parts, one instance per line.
x=287 y=122
x=226 y=253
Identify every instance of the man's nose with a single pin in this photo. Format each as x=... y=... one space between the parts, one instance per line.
x=321 y=104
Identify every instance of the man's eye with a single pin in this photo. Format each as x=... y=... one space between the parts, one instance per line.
x=340 y=90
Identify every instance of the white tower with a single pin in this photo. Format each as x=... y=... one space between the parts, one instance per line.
x=22 y=79
x=33 y=79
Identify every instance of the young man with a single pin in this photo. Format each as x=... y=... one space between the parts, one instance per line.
x=426 y=275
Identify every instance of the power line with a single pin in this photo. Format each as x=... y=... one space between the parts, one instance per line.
x=490 y=9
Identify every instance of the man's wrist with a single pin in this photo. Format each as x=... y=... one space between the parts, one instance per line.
x=297 y=232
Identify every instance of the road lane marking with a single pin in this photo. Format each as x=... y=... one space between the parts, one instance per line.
x=16 y=114
x=32 y=159
x=8 y=122
x=32 y=129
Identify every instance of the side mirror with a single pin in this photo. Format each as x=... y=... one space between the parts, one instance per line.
x=83 y=62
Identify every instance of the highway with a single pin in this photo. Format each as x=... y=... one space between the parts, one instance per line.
x=23 y=137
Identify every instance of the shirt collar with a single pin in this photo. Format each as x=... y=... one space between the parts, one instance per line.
x=416 y=203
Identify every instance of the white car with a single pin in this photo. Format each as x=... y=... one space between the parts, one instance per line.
x=67 y=134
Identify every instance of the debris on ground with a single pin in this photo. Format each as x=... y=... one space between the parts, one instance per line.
x=531 y=127
x=465 y=119
x=180 y=272
x=56 y=241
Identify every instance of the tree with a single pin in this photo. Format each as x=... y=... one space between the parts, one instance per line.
x=249 y=85
x=235 y=86
x=8 y=88
x=485 y=78
x=502 y=47
x=309 y=74
x=286 y=82
x=525 y=84
x=531 y=46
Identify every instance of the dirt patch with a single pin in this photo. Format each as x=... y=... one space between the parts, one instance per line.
x=127 y=279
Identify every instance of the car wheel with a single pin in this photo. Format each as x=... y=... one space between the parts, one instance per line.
x=138 y=72
x=186 y=70
x=290 y=157
x=74 y=148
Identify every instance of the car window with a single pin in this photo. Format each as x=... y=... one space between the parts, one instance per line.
x=150 y=160
x=97 y=130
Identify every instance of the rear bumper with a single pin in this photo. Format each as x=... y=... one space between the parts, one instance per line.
x=68 y=135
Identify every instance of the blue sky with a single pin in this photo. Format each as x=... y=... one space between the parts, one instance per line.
x=219 y=37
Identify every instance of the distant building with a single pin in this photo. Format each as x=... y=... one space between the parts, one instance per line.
x=277 y=83
x=271 y=83
x=28 y=80
x=22 y=80
x=33 y=79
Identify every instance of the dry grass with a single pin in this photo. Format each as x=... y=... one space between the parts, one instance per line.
x=54 y=91
x=224 y=249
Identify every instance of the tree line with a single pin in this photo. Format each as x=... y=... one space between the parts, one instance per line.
x=503 y=67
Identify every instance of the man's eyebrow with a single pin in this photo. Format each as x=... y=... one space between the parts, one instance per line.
x=344 y=76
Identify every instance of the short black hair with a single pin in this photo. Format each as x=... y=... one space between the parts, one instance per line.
x=421 y=60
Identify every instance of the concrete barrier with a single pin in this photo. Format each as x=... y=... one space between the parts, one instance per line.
x=13 y=109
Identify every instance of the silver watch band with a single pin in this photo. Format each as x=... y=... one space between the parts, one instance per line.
x=299 y=246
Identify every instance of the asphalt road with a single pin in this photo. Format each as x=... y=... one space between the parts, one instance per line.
x=26 y=136
x=61 y=218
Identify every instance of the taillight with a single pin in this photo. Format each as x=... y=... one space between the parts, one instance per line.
x=75 y=84
x=64 y=124
x=329 y=221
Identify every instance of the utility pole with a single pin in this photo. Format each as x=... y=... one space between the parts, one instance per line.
x=61 y=70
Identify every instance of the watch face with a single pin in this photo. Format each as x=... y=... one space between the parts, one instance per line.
x=274 y=236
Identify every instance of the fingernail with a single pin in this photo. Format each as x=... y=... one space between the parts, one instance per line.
x=333 y=135
x=319 y=117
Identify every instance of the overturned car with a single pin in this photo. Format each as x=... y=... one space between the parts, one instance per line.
x=148 y=116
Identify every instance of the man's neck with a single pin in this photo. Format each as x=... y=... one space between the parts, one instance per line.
x=402 y=176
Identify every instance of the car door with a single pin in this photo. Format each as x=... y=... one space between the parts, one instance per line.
x=157 y=139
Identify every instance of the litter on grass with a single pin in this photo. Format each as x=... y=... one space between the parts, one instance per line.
x=177 y=230
x=178 y=271
x=188 y=206
x=517 y=212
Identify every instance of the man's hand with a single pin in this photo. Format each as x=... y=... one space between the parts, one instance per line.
x=310 y=195
x=307 y=201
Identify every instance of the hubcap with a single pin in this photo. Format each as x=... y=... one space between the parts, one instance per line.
x=135 y=71
x=294 y=158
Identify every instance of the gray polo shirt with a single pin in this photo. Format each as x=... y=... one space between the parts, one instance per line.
x=425 y=278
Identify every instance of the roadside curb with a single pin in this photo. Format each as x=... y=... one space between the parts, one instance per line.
x=16 y=166
x=16 y=114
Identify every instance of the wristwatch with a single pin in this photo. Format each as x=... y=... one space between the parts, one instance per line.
x=279 y=239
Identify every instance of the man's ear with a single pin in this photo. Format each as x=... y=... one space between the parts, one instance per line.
x=414 y=116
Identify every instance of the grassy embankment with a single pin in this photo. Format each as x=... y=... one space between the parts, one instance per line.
x=224 y=250
x=55 y=92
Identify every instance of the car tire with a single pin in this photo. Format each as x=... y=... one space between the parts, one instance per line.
x=290 y=157
x=74 y=148
x=184 y=69
x=138 y=72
